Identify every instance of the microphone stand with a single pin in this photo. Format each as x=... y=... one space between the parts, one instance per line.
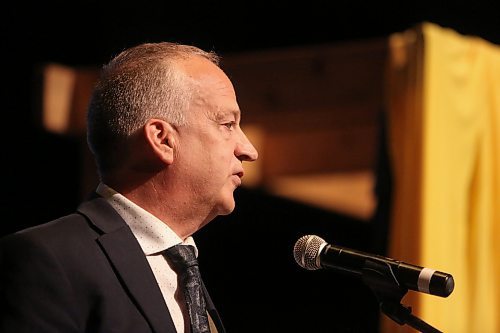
x=379 y=278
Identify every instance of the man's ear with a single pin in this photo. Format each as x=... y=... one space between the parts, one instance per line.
x=160 y=136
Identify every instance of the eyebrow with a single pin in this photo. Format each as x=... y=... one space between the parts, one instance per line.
x=221 y=114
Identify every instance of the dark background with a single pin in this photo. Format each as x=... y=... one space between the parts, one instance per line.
x=40 y=178
x=41 y=170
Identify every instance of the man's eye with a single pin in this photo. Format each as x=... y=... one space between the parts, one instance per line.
x=230 y=125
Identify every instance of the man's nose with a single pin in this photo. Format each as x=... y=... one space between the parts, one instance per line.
x=245 y=151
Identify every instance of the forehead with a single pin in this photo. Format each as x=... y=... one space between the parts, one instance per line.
x=202 y=71
x=212 y=88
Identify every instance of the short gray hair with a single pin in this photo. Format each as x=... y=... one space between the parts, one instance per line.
x=140 y=83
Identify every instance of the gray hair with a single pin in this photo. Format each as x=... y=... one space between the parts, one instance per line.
x=140 y=83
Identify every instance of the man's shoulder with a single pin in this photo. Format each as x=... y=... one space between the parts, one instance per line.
x=79 y=229
x=59 y=228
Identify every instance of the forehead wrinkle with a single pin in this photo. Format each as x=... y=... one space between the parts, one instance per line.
x=204 y=98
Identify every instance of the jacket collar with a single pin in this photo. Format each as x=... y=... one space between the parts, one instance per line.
x=129 y=261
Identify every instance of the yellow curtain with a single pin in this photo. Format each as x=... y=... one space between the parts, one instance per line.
x=444 y=108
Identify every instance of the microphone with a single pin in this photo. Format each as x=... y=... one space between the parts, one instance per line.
x=312 y=252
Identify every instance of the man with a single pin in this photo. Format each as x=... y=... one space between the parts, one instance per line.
x=164 y=127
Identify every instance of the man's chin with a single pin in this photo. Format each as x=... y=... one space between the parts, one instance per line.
x=227 y=211
x=227 y=207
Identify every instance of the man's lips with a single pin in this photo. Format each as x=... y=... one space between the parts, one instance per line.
x=237 y=177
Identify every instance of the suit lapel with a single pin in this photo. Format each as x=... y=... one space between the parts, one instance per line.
x=215 y=321
x=129 y=262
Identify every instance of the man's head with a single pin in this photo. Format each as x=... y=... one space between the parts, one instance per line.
x=140 y=83
x=169 y=110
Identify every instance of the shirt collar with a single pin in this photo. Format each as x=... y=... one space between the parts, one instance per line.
x=153 y=235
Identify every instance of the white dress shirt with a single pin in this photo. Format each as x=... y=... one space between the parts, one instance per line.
x=154 y=236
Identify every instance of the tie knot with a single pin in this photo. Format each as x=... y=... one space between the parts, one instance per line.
x=181 y=257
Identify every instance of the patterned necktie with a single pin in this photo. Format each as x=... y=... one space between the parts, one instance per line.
x=184 y=262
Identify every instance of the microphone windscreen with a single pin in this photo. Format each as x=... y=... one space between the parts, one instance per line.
x=306 y=251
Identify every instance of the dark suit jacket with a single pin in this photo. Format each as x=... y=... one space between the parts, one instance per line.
x=84 y=272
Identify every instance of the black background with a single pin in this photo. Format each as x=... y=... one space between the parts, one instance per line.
x=40 y=171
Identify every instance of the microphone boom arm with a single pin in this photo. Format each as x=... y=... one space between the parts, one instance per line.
x=379 y=278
